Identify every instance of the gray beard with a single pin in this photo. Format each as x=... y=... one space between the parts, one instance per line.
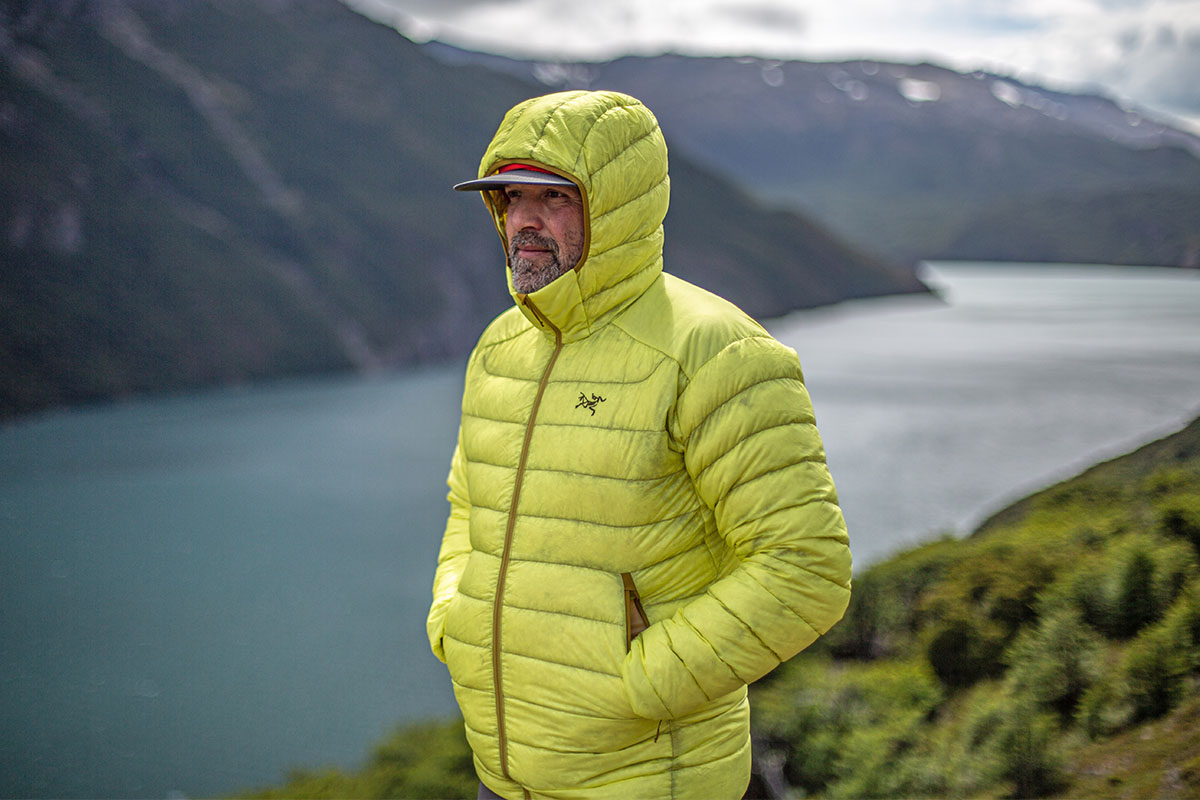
x=528 y=276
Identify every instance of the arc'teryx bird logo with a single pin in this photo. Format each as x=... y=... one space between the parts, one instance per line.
x=591 y=404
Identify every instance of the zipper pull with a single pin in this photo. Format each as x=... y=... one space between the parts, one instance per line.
x=537 y=312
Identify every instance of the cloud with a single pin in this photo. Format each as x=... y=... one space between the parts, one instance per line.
x=1144 y=51
x=1159 y=68
x=422 y=20
x=435 y=8
x=766 y=15
x=1115 y=4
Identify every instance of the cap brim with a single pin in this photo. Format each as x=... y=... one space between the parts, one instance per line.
x=522 y=176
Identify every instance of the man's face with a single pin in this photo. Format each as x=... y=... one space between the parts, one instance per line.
x=544 y=226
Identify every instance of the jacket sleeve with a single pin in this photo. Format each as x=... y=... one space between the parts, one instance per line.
x=452 y=558
x=751 y=445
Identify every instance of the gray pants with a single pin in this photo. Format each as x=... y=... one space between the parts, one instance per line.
x=487 y=794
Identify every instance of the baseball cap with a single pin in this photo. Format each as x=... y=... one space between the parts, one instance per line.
x=515 y=173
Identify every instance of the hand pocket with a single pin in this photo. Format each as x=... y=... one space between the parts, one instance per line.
x=635 y=614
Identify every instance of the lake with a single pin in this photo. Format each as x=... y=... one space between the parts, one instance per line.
x=201 y=592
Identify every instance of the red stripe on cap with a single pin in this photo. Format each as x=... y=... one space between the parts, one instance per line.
x=511 y=167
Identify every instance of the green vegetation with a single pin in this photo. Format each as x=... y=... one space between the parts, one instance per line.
x=1054 y=652
x=1002 y=664
x=428 y=759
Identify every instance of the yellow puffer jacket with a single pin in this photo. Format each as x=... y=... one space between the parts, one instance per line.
x=631 y=447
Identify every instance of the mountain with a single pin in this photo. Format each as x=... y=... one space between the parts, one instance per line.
x=201 y=192
x=916 y=161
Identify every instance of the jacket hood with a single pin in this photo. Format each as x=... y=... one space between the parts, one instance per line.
x=610 y=145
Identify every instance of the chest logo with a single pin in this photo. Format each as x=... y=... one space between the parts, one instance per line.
x=589 y=404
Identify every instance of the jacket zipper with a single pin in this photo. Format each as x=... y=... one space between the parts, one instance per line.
x=508 y=533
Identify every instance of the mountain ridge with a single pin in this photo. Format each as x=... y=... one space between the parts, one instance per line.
x=201 y=192
x=915 y=161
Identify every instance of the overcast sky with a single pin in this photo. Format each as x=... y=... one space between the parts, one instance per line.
x=1143 y=51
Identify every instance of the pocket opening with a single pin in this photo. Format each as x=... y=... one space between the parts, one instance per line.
x=635 y=615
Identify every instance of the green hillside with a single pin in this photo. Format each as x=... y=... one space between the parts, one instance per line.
x=1055 y=652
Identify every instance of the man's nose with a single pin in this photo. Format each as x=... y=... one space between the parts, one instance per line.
x=525 y=215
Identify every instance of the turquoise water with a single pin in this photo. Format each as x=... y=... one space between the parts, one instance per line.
x=201 y=592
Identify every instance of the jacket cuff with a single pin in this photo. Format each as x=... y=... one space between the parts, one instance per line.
x=642 y=697
x=435 y=629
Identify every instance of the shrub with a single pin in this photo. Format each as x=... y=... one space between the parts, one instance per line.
x=1129 y=586
x=964 y=758
x=1153 y=670
x=804 y=713
x=971 y=755
x=847 y=726
x=880 y=768
x=1104 y=708
x=884 y=751
x=1084 y=589
x=1169 y=481
x=1135 y=605
x=1184 y=618
x=960 y=656
x=884 y=606
x=1054 y=664
x=1182 y=521
x=424 y=759
x=1157 y=664
x=1029 y=756
x=979 y=608
x=998 y=738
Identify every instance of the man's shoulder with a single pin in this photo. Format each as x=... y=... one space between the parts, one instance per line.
x=508 y=324
x=688 y=323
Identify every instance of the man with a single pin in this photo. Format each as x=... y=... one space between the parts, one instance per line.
x=641 y=518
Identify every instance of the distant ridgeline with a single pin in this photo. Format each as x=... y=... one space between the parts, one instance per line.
x=1056 y=651
x=916 y=161
x=200 y=192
